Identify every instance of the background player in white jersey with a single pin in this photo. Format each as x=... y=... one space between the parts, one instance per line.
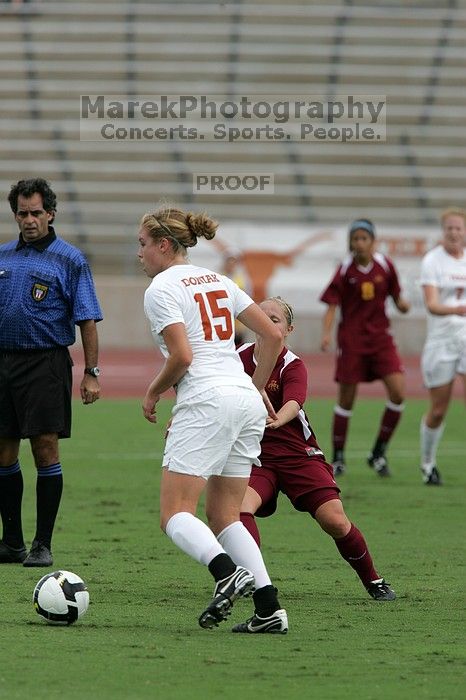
x=219 y=415
x=443 y=280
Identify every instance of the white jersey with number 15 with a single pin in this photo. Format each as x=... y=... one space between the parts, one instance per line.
x=207 y=303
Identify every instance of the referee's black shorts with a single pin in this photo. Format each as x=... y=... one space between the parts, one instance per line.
x=35 y=391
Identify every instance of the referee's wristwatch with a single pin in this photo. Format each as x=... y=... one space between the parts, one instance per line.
x=93 y=371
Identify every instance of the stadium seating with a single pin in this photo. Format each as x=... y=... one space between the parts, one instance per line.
x=52 y=52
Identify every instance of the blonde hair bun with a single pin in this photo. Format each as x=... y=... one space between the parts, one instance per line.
x=201 y=225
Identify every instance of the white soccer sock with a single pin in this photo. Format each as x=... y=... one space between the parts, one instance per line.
x=242 y=548
x=430 y=438
x=398 y=407
x=339 y=411
x=194 y=537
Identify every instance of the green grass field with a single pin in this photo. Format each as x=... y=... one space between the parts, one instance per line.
x=140 y=637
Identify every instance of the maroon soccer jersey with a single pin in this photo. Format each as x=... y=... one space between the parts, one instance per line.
x=361 y=292
x=287 y=382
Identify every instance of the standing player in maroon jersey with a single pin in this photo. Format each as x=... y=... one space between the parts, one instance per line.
x=366 y=349
x=293 y=463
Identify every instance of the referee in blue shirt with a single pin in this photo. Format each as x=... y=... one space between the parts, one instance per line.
x=46 y=289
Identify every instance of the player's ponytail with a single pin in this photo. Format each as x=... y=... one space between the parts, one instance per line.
x=201 y=225
x=182 y=228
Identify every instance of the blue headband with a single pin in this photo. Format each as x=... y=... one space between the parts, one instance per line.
x=365 y=225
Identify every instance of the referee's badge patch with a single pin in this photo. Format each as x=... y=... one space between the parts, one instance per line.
x=39 y=291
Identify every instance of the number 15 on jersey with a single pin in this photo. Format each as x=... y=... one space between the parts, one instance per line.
x=223 y=329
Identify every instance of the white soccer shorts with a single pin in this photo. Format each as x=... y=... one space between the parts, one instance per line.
x=218 y=432
x=442 y=360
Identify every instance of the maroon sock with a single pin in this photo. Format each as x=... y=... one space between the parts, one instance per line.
x=353 y=549
x=389 y=422
x=340 y=427
x=249 y=523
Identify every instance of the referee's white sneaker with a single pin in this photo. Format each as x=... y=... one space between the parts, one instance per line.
x=277 y=623
x=239 y=584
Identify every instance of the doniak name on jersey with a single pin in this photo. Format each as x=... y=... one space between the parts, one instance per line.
x=203 y=279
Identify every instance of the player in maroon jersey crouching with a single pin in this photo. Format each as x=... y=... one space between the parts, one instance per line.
x=293 y=463
x=366 y=349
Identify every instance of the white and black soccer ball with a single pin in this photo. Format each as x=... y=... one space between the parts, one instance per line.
x=61 y=597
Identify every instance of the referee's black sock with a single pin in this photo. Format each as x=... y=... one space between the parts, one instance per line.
x=11 y=496
x=49 y=487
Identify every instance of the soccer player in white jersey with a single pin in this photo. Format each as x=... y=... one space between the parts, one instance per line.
x=220 y=412
x=443 y=280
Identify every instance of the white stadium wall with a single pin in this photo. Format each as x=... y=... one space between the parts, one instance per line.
x=303 y=261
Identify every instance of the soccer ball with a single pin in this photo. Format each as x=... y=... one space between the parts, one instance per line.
x=61 y=597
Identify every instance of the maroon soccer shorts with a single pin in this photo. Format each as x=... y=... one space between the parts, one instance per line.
x=354 y=367
x=304 y=476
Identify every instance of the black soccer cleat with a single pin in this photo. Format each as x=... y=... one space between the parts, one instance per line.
x=379 y=464
x=339 y=467
x=39 y=555
x=380 y=590
x=277 y=623
x=432 y=478
x=239 y=584
x=11 y=555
